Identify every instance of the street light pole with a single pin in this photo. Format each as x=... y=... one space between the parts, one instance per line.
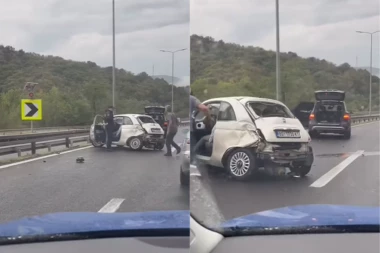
x=113 y=53
x=173 y=52
x=278 y=73
x=370 y=72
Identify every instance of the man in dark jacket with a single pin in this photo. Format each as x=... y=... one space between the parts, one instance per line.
x=108 y=119
x=171 y=132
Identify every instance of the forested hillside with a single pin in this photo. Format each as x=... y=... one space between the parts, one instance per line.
x=224 y=69
x=73 y=92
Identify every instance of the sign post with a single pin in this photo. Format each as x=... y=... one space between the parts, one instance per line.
x=31 y=109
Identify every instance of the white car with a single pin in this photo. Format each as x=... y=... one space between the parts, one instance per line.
x=253 y=132
x=132 y=130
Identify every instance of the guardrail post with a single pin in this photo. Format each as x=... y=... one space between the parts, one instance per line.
x=67 y=142
x=33 y=147
x=49 y=147
x=88 y=139
x=18 y=152
x=71 y=143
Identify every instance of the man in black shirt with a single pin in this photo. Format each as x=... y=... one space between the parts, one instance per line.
x=108 y=118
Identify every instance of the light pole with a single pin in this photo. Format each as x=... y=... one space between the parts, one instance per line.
x=278 y=73
x=173 y=52
x=113 y=53
x=370 y=71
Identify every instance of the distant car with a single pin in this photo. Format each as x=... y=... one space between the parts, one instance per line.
x=330 y=114
x=185 y=165
x=158 y=114
x=251 y=133
x=132 y=130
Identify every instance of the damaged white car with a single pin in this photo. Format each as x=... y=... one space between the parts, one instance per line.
x=132 y=130
x=251 y=133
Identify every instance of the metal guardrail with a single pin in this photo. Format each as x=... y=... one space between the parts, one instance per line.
x=364 y=118
x=22 y=138
x=34 y=145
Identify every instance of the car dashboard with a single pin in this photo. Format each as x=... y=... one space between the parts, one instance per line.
x=114 y=245
x=203 y=240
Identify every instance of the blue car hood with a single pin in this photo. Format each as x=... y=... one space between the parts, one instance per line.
x=308 y=215
x=74 y=222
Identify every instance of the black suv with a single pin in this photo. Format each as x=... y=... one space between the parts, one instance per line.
x=329 y=114
x=158 y=114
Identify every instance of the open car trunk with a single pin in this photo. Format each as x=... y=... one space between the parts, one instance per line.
x=329 y=112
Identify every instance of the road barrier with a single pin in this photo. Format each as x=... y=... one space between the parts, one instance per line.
x=364 y=118
x=34 y=145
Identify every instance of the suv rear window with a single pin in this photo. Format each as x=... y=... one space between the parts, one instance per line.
x=268 y=109
x=329 y=106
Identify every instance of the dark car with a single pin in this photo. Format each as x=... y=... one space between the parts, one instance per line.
x=158 y=114
x=330 y=114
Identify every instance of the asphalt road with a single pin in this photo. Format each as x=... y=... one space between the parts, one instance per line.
x=119 y=181
x=357 y=184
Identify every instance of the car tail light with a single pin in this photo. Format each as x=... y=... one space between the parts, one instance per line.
x=166 y=124
x=346 y=117
x=312 y=116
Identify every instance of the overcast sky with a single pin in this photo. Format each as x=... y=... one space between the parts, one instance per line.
x=82 y=30
x=323 y=28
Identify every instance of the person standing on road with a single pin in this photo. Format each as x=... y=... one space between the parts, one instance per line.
x=171 y=132
x=195 y=105
x=108 y=118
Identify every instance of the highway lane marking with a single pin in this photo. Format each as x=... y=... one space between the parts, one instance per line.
x=112 y=206
x=194 y=172
x=326 y=178
x=41 y=157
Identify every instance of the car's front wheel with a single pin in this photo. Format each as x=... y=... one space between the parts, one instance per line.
x=135 y=143
x=160 y=146
x=96 y=144
x=185 y=181
x=241 y=163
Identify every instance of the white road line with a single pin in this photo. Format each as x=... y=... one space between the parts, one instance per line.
x=194 y=172
x=41 y=157
x=26 y=161
x=111 y=206
x=371 y=153
x=326 y=178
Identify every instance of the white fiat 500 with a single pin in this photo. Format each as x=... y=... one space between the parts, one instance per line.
x=251 y=133
x=132 y=130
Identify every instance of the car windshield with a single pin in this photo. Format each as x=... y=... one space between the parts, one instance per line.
x=275 y=164
x=268 y=109
x=78 y=150
x=145 y=119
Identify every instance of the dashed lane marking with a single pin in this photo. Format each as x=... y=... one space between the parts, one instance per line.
x=112 y=206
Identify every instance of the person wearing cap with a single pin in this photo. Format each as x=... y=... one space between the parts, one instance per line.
x=171 y=131
x=108 y=118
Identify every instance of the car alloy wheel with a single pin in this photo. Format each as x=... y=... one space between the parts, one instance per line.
x=239 y=164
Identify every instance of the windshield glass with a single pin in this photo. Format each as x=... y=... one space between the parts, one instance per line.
x=267 y=109
x=74 y=77
x=299 y=167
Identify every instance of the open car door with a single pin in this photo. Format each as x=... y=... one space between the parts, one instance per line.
x=302 y=112
x=97 y=131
